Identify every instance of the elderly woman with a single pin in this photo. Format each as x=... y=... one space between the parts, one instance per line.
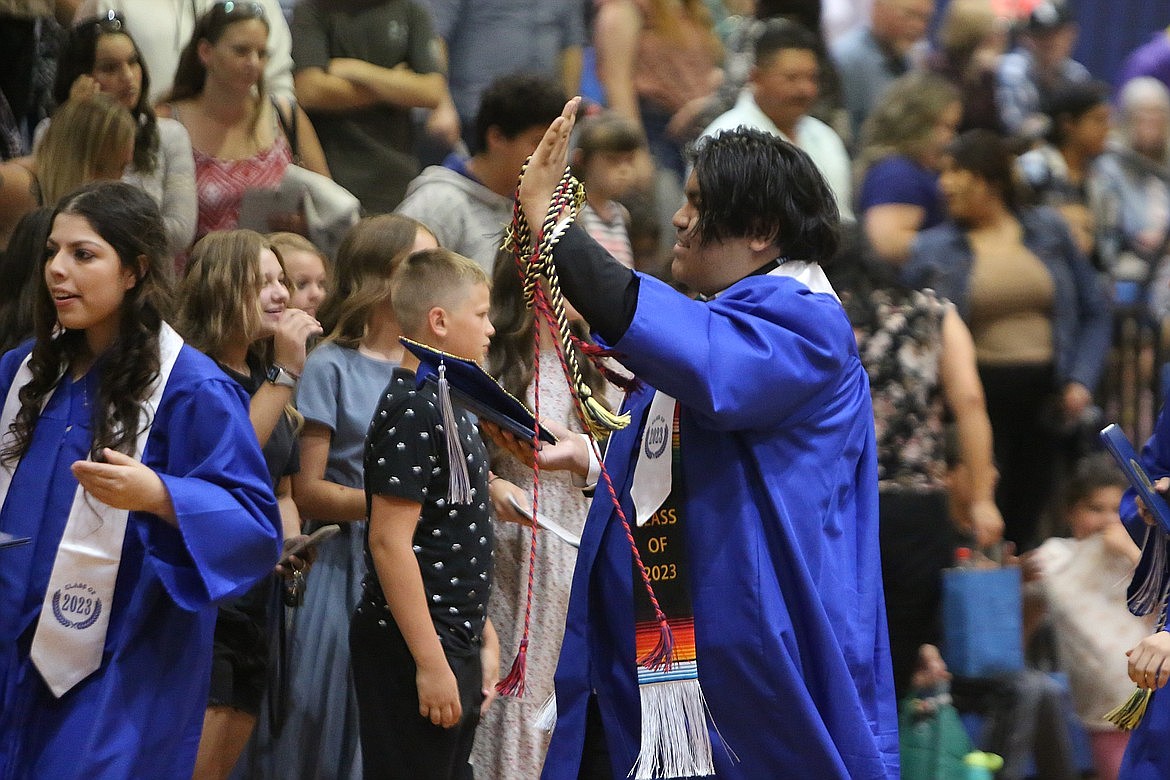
x=1040 y=320
x=1134 y=179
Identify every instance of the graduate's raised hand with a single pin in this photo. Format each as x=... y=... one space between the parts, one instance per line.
x=125 y=483
x=547 y=165
x=1149 y=661
x=438 y=693
x=1161 y=486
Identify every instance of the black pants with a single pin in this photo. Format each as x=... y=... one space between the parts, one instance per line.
x=595 y=761
x=397 y=742
x=917 y=543
x=1020 y=404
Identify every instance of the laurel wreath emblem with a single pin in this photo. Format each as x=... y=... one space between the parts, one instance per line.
x=78 y=624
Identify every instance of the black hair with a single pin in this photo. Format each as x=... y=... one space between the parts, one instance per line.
x=515 y=103
x=128 y=220
x=20 y=268
x=756 y=185
x=807 y=13
x=1071 y=102
x=78 y=56
x=781 y=34
x=1093 y=472
x=992 y=158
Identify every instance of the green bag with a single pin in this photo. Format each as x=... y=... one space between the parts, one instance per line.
x=931 y=739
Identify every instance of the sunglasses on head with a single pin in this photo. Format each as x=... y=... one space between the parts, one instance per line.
x=110 y=22
x=232 y=8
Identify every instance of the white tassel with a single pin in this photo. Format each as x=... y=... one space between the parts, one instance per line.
x=546 y=716
x=459 y=481
x=675 y=739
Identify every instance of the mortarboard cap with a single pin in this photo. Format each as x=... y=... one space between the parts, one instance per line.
x=477 y=391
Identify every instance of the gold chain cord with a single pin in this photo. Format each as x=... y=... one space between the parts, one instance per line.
x=535 y=260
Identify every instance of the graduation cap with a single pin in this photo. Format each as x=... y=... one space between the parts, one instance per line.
x=477 y=391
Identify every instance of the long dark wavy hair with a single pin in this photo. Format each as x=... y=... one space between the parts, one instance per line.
x=129 y=220
x=510 y=358
x=78 y=57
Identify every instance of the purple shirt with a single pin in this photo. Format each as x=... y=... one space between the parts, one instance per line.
x=1150 y=59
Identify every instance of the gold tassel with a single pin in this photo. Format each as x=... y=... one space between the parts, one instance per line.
x=601 y=420
x=1128 y=715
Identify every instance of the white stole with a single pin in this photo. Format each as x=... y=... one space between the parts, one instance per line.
x=71 y=631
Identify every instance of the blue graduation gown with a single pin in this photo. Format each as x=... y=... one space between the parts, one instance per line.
x=781 y=523
x=141 y=713
x=1147 y=756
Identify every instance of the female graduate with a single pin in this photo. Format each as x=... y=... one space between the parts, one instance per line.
x=129 y=462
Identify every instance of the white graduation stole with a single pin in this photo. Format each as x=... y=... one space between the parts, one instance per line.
x=652 y=477
x=71 y=631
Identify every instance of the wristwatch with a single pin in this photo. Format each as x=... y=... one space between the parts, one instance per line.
x=281 y=376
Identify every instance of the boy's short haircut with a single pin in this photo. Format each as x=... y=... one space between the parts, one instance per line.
x=516 y=103
x=1092 y=473
x=430 y=278
x=607 y=132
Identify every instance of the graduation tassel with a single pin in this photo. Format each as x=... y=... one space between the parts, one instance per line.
x=459 y=481
x=513 y=682
x=1127 y=716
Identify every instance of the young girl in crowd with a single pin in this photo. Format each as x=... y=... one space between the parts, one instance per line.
x=100 y=56
x=233 y=308
x=605 y=161
x=1081 y=581
x=235 y=131
x=112 y=423
x=344 y=378
x=306 y=271
x=509 y=741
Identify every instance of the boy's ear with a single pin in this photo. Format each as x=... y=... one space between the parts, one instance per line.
x=437 y=321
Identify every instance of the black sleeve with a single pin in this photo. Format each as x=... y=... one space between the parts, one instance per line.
x=603 y=290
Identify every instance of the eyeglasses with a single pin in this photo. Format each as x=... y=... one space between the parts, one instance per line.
x=111 y=22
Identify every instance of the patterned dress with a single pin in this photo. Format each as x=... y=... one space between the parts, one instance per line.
x=508 y=743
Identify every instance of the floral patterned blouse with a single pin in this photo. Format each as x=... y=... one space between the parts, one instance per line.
x=901 y=350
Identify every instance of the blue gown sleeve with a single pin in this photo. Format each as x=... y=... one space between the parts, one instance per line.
x=764 y=352
x=228 y=534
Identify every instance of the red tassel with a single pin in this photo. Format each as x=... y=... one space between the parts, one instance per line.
x=661 y=656
x=513 y=683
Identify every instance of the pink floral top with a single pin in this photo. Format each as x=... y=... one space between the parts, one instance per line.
x=221 y=184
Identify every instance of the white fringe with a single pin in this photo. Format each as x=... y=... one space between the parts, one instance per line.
x=546 y=716
x=459 y=481
x=675 y=740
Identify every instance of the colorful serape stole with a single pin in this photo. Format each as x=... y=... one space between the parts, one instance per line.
x=675 y=739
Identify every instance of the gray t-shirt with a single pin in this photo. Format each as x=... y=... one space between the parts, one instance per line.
x=371 y=150
x=339 y=389
x=487 y=39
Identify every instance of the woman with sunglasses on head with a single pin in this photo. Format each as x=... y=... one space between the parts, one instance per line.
x=100 y=56
x=236 y=133
x=162 y=28
x=129 y=462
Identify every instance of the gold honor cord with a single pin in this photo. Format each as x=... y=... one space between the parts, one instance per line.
x=535 y=260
